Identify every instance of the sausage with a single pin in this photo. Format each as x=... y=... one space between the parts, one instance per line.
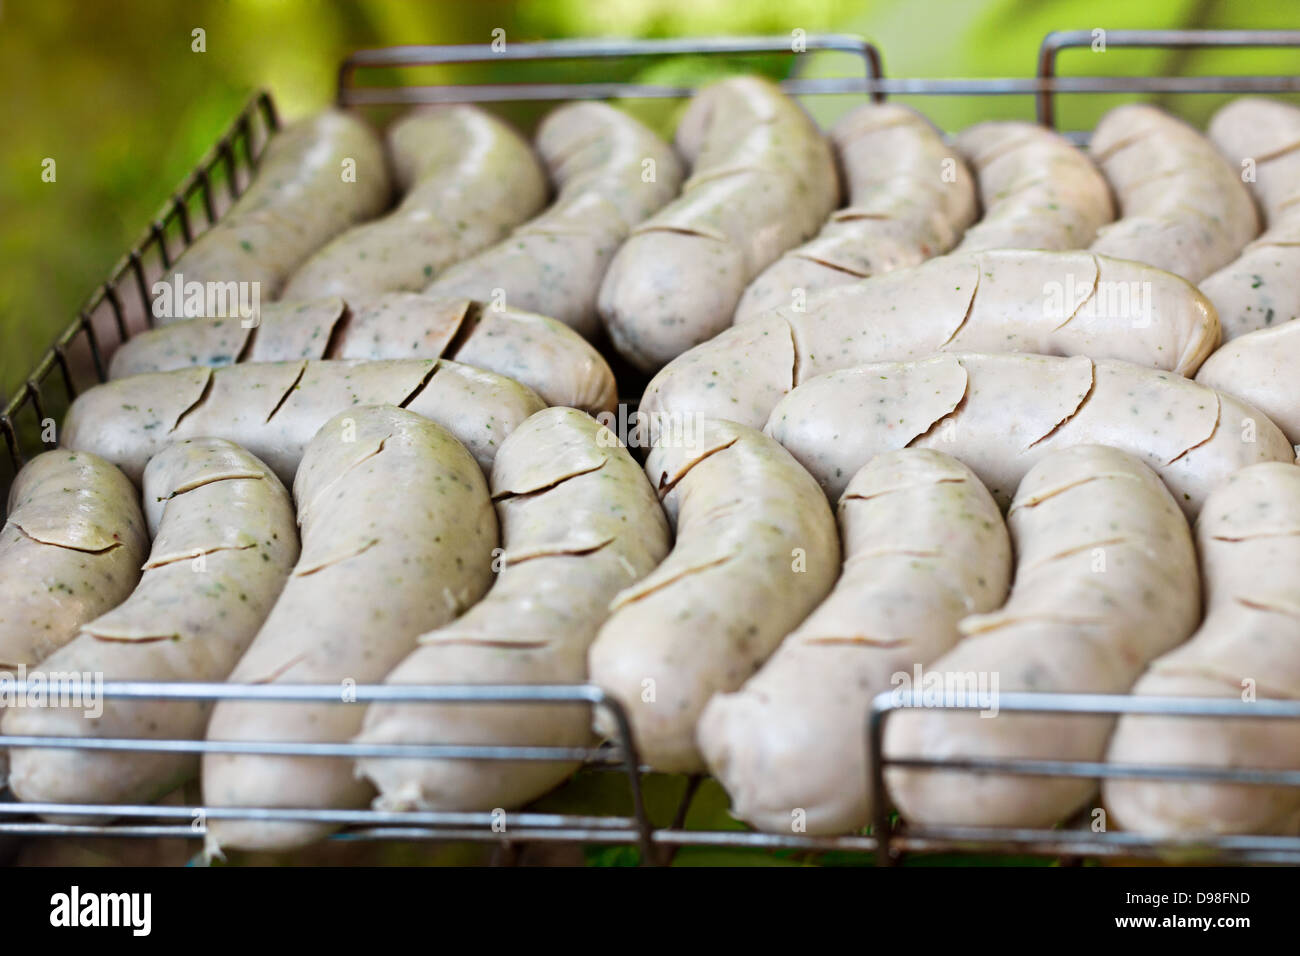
x=1000 y=414
x=1039 y=190
x=1248 y=647
x=537 y=351
x=224 y=541
x=924 y=545
x=579 y=523
x=756 y=550
x=274 y=409
x=1105 y=581
x=763 y=180
x=1182 y=208
x=297 y=202
x=1054 y=303
x=467 y=179
x=397 y=538
x=905 y=206
x=612 y=173
x=1261 y=367
x=1258 y=290
x=71 y=549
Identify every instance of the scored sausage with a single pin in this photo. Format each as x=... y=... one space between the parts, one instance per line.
x=224 y=541
x=1262 y=367
x=1039 y=190
x=1261 y=138
x=1054 y=303
x=1247 y=648
x=1000 y=414
x=1182 y=208
x=579 y=522
x=300 y=198
x=756 y=550
x=910 y=199
x=612 y=173
x=924 y=546
x=1105 y=581
x=397 y=538
x=763 y=180
x=71 y=549
x=275 y=408
x=467 y=179
x=537 y=351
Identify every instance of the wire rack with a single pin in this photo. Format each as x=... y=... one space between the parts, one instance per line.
x=119 y=309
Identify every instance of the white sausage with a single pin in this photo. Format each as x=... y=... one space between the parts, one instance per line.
x=612 y=173
x=537 y=351
x=924 y=546
x=763 y=180
x=1182 y=208
x=1054 y=303
x=579 y=523
x=223 y=545
x=910 y=199
x=1000 y=414
x=1259 y=289
x=1039 y=190
x=1262 y=367
x=274 y=409
x=71 y=549
x=1249 y=643
x=756 y=550
x=397 y=538
x=297 y=202
x=467 y=177
x=1105 y=581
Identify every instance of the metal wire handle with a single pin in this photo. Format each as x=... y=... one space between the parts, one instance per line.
x=350 y=94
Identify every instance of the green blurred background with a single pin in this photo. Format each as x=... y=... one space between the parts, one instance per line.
x=113 y=92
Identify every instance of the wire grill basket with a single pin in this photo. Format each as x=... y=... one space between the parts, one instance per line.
x=119 y=308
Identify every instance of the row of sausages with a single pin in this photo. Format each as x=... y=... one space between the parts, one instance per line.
x=1041 y=366
x=399 y=545
x=669 y=262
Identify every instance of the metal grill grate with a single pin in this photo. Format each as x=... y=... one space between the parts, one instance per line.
x=119 y=308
